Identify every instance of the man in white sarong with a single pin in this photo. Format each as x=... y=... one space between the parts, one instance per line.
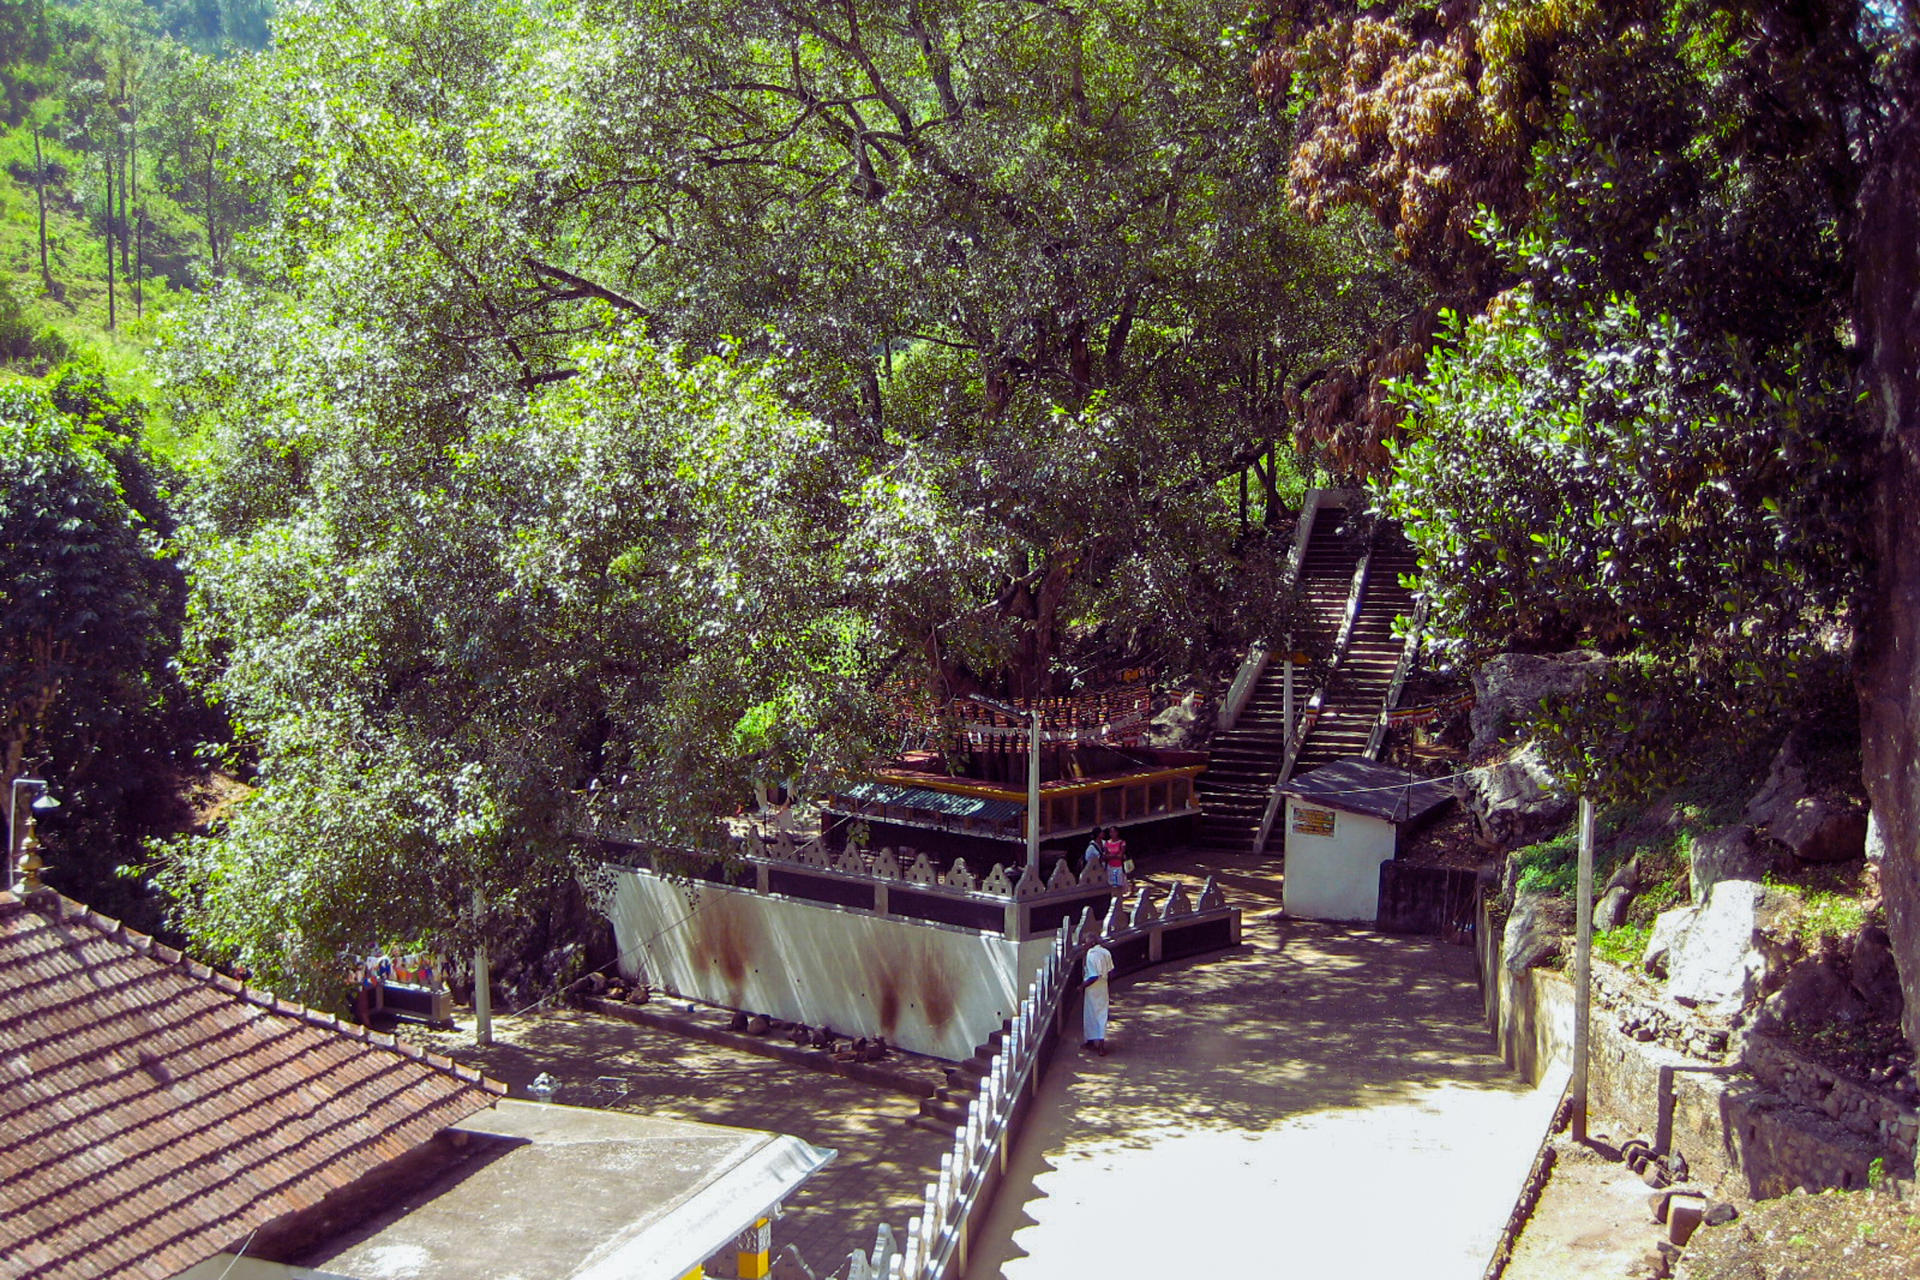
x=1094 y=988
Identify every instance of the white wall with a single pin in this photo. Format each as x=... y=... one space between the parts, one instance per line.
x=1335 y=877
x=930 y=988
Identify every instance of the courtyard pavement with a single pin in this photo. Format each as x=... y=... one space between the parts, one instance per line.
x=1324 y=1102
x=1320 y=1101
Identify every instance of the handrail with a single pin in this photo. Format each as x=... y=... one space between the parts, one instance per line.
x=1240 y=692
x=1298 y=738
x=1408 y=652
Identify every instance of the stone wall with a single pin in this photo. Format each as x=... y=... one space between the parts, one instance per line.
x=1758 y=1132
x=1861 y=1111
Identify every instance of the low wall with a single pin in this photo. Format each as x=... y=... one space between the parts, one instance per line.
x=1731 y=1125
x=928 y=988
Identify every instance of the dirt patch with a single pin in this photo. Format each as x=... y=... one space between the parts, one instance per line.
x=1835 y=1235
x=1592 y=1221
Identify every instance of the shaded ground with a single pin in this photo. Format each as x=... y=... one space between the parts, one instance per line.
x=1323 y=1102
x=883 y=1165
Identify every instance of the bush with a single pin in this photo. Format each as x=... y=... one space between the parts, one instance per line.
x=1623 y=946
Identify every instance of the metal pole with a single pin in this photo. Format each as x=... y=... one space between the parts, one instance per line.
x=482 y=991
x=13 y=847
x=1286 y=703
x=1033 y=797
x=1582 y=969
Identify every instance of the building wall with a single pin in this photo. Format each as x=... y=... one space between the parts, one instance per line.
x=930 y=988
x=1335 y=876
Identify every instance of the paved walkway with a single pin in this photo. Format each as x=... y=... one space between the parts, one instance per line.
x=1323 y=1104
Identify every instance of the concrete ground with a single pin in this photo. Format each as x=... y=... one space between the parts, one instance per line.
x=1324 y=1102
x=883 y=1165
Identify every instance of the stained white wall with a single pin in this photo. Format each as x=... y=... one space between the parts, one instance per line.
x=1335 y=877
x=930 y=988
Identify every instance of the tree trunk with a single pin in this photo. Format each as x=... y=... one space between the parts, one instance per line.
x=40 y=191
x=129 y=195
x=106 y=165
x=126 y=247
x=213 y=241
x=1887 y=663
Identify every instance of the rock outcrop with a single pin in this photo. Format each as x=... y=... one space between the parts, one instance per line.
x=1818 y=828
x=1536 y=930
x=1718 y=956
x=1507 y=690
x=1725 y=853
x=1184 y=726
x=1517 y=800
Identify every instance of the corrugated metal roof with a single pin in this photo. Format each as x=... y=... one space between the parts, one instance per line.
x=1377 y=790
x=927 y=800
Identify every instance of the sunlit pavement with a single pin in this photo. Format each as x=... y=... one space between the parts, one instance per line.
x=1324 y=1103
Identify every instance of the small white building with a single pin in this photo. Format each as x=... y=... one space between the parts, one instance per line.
x=1342 y=821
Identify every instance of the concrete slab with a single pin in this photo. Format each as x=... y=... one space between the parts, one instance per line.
x=534 y=1190
x=883 y=1164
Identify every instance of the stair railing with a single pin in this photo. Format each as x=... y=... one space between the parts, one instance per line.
x=1408 y=652
x=1240 y=692
x=1298 y=737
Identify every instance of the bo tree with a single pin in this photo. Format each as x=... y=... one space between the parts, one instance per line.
x=628 y=390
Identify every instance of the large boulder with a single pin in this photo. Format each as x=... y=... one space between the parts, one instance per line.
x=1818 y=828
x=1669 y=928
x=1725 y=853
x=1721 y=958
x=1536 y=929
x=1875 y=980
x=1814 y=992
x=1507 y=690
x=1517 y=800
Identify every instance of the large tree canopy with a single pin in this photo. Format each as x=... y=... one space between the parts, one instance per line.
x=90 y=616
x=620 y=394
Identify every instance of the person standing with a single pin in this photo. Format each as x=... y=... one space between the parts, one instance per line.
x=1093 y=987
x=1116 y=852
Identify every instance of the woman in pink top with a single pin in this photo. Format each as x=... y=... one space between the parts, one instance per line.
x=1116 y=849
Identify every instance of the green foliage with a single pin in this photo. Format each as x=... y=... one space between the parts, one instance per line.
x=1624 y=945
x=1603 y=479
x=1549 y=866
x=90 y=612
x=1822 y=915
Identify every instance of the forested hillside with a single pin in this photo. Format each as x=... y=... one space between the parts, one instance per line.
x=117 y=199
x=117 y=202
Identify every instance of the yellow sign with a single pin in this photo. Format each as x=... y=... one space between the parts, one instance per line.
x=1313 y=822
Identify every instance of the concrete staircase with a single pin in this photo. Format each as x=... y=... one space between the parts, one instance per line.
x=946 y=1110
x=1247 y=758
x=1364 y=678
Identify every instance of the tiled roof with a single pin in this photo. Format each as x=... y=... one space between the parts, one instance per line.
x=154 y=1113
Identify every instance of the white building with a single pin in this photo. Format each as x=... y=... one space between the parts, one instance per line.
x=1343 y=820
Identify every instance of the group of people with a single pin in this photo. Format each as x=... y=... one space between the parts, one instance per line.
x=1106 y=846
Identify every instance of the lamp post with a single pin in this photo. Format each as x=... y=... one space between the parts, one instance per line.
x=40 y=803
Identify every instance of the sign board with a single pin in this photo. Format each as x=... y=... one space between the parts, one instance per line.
x=1312 y=822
